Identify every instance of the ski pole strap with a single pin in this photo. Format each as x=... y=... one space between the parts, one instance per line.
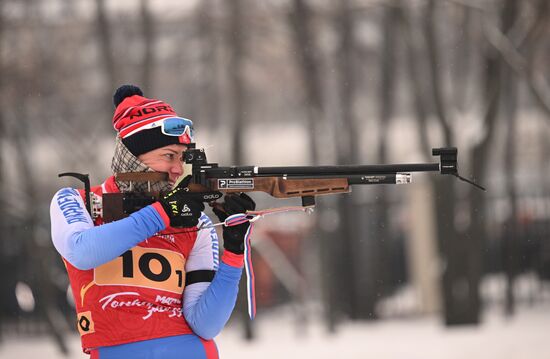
x=251 y=217
x=250 y=286
x=235 y=220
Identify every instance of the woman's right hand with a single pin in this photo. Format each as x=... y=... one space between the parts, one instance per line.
x=184 y=208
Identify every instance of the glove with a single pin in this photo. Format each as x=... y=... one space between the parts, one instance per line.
x=184 y=208
x=233 y=237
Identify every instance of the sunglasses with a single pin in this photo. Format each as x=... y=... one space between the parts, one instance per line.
x=174 y=126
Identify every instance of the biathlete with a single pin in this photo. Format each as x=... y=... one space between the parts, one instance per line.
x=151 y=285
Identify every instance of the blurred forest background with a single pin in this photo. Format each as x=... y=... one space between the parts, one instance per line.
x=298 y=82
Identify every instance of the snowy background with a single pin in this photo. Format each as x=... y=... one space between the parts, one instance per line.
x=281 y=334
x=434 y=269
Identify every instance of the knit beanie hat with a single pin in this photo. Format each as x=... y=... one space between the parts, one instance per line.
x=138 y=119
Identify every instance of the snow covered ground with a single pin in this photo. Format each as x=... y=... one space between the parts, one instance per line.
x=527 y=335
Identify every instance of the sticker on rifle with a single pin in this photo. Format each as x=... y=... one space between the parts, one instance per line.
x=236 y=183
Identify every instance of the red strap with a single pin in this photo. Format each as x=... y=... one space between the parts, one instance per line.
x=232 y=259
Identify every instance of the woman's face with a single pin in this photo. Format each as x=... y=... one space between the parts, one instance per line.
x=167 y=159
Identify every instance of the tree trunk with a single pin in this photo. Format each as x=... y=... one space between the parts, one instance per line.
x=434 y=60
x=451 y=247
x=105 y=36
x=308 y=62
x=3 y=229
x=345 y=23
x=464 y=49
x=237 y=90
x=35 y=258
x=419 y=93
x=37 y=274
x=380 y=258
x=148 y=33
x=348 y=153
x=107 y=57
x=417 y=76
x=475 y=241
x=480 y=156
x=511 y=247
x=210 y=87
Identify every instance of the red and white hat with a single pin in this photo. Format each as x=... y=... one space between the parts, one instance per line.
x=138 y=121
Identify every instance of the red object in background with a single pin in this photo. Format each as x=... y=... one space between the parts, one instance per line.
x=269 y=291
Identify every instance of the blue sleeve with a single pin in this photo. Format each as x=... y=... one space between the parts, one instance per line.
x=85 y=246
x=209 y=314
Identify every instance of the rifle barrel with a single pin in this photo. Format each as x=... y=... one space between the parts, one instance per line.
x=393 y=178
x=345 y=170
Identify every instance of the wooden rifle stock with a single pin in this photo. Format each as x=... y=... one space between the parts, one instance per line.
x=279 y=187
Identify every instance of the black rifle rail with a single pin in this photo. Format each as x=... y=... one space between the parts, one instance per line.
x=316 y=171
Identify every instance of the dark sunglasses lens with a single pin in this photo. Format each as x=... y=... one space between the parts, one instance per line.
x=177 y=126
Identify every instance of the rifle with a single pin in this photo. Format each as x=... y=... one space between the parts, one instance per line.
x=306 y=182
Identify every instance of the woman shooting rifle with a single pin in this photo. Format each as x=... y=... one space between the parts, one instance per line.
x=143 y=287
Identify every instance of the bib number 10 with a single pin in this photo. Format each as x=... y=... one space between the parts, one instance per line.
x=144 y=267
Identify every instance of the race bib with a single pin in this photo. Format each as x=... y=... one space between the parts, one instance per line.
x=144 y=267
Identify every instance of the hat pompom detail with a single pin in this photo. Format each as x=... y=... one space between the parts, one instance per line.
x=125 y=91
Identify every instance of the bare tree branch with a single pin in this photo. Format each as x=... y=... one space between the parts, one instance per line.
x=535 y=81
x=522 y=35
x=473 y=4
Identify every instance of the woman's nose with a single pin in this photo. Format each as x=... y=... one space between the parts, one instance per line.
x=177 y=168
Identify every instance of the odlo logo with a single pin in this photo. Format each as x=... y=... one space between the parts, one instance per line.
x=211 y=196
